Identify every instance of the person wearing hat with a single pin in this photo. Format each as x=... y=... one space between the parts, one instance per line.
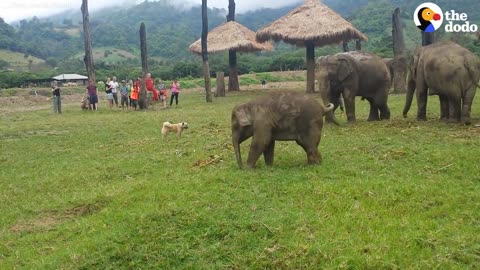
x=125 y=93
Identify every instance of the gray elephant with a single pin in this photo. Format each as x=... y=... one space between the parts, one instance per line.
x=278 y=117
x=353 y=74
x=448 y=70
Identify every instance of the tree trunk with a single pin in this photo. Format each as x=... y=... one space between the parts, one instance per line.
x=428 y=38
x=88 y=58
x=220 y=84
x=233 y=84
x=206 y=68
x=231 y=11
x=358 y=45
x=310 y=66
x=142 y=100
x=399 y=75
x=345 y=46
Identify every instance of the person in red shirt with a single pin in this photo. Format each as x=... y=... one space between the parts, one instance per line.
x=150 y=85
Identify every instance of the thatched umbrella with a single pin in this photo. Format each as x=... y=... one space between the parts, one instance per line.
x=309 y=25
x=231 y=36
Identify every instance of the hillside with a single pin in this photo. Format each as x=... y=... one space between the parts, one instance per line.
x=19 y=61
x=110 y=55
x=170 y=30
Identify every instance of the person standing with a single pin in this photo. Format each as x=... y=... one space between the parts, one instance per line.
x=134 y=95
x=114 y=87
x=108 y=91
x=124 y=93
x=163 y=93
x=92 y=95
x=175 y=89
x=57 y=102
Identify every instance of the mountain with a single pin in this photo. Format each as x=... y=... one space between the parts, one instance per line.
x=171 y=29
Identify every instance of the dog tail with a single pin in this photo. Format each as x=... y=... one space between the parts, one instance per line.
x=167 y=124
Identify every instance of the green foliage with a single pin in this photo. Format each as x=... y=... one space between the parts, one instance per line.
x=248 y=80
x=4 y=64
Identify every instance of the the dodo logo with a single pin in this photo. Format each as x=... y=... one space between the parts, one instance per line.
x=428 y=17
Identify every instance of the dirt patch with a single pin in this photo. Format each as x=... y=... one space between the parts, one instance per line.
x=48 y=220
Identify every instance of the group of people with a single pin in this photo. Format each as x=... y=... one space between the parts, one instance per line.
x=130 y=92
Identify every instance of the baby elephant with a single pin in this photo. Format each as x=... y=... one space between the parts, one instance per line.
x=278 y=117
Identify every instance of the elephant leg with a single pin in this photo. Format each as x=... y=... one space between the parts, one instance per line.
x=381 y=102
x=349 y=100
x=455 y=109
x=467 y=105
x=260 y=140
x=384 y=112
x=268 y=153
x=373 y=115
x=310 y=143
x=444 y=108
x=422 y=97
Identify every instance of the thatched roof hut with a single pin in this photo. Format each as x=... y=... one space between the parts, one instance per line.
x=231 y=36
x=309 y=25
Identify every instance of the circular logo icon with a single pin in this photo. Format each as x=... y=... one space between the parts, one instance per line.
x=428 y=17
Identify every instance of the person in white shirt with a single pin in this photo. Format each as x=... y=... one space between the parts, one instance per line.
x=114 y=87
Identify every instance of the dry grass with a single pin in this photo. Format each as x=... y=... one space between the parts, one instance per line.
x=313 y=21
x=231 y=36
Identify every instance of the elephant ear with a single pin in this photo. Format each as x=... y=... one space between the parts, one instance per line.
x=344 y=68
x=242 y=117
x=416 y=58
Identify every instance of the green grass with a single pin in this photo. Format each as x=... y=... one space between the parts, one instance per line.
x=103 y=190
x=18 y=60
x=114 y=56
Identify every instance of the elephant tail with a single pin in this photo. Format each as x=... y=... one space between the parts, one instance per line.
x=328 y=108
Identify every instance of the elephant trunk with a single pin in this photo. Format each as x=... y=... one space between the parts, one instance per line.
x=408 y=100
x=330 y=117
x=236 y=147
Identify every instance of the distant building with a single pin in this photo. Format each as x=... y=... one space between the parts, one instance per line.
x=71 y=79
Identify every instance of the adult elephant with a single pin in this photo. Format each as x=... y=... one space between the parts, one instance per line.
x=448 y=70
x=353 y=74
x=278 y=117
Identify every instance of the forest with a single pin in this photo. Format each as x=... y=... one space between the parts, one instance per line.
x=170 y=30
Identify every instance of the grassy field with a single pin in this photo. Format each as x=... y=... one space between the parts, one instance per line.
x=103 y=190
x=114 y=55
x=18 y=61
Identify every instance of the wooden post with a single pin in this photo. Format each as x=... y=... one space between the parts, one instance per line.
x=88 y=58
x=358 y=45
x=206 y=67
x=310 y=66
x=233 y=84
x=345 y=46
x=142 y=100
x=399 y=75
x=428 y=38
x=220 y=84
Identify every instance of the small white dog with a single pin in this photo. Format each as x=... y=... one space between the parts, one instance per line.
x=177 y=128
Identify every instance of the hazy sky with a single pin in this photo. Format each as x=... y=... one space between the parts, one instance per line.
x=13 y=10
